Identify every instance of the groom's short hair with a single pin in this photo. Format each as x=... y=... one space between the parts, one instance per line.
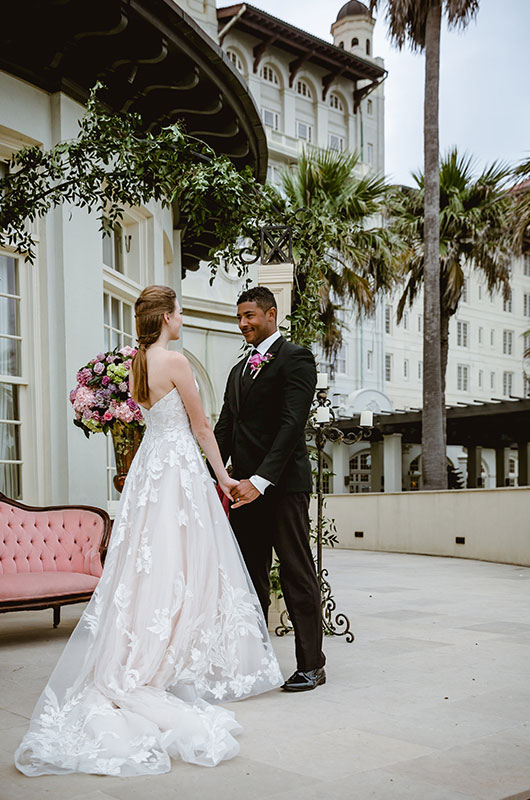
x=260 y=295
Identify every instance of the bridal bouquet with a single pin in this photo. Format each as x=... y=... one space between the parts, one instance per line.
x=102 y=393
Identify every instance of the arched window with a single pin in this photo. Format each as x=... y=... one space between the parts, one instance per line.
x=303 y=89
x=368 y=47
x=341 y=45
x=360 y=465
x=268 y=74
x=336 y=102
x=234 y=58
x=354 y=41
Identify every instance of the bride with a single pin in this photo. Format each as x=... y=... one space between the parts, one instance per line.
x=174 y=621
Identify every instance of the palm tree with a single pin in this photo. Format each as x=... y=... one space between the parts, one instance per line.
x=346 y=258
x=521 y=211
x=474 y=233
x=418 y=22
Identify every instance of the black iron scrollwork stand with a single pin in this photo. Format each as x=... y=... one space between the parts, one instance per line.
x=320 y=432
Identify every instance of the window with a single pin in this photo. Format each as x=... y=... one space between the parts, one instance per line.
x=388 y=367
x=270 y=118
x=118 y=322
x=405 y=321
x=463 y=378
x=234 y=58
x=113 y=247
x=507 y=382
x=118 y=325
x=465 y=291
x=370 y=360
x=341 y=45
x=480 y=379
x=526 y=342
x=526 y=305
x=268 y=74
x=462 y=334
x=388 y=319
x=10 y=370
x=370 y=107
x=507 y=343
x=370 y=153
x=492 y=337
x=303 y=89
x=420 y=370
x=481 y=335
x=526 y=264
x=368 y=47
x=336 y=102
x=336 y=142
x=420 y=323
x=406 y=369
x=360 y=473
x=492 y=381
x=304 y=131
x=507 y=304
x=340 y=360
x=354 y=41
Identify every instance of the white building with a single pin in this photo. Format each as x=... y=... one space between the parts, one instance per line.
x=380 y=365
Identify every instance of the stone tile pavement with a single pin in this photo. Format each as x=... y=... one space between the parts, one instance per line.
x=431 y=701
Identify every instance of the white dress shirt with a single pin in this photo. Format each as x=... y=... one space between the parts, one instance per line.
x=256 y=480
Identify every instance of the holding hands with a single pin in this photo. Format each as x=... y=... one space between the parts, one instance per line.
x=245 y=492
x=241 y=492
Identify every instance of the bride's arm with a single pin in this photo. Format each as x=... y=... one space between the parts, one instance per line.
x=183 y=378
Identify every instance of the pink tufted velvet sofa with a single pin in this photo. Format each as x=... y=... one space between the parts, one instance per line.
x=49 y=557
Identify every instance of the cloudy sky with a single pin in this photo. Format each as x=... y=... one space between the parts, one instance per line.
x=484 y=84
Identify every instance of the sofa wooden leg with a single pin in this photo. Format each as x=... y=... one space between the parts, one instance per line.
x=56 y=615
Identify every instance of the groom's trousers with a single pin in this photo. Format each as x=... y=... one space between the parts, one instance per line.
x=281 y=521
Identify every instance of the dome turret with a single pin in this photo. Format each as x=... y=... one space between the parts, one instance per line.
x=353 y=9
x=353 y=28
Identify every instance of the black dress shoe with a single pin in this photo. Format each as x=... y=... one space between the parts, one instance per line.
x=305 y=681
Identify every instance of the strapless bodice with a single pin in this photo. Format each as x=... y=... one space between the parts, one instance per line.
x=166 y=416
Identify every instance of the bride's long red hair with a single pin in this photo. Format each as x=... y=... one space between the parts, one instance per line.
x=149 y=309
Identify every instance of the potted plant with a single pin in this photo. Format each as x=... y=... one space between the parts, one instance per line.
x=102 y=403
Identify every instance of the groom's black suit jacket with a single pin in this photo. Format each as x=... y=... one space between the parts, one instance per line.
x=261 y=425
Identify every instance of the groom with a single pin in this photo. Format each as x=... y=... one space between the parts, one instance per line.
x=261 y=428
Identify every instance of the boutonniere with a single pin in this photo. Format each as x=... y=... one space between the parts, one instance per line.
x=256 y=363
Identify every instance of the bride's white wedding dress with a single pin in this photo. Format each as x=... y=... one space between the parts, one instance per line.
x=174 y=623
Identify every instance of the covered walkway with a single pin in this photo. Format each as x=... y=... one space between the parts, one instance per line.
x=431 y=702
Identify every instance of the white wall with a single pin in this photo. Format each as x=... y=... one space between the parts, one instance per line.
x=493 y=522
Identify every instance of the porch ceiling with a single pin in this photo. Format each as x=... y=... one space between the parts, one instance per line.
x=154 y=59
x=496 y=423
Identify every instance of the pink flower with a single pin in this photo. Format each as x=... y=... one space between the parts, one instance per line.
x=83 y=376
x=107 y=416
x=123 y=387
x=72 y=395
x=124 y=413
x=100 y=357
x=105 y=380
x=84 y=399
x=99 y=368
x=256 y=362
x=126 y=350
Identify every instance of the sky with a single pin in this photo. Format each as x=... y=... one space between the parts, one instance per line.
x=484 y=84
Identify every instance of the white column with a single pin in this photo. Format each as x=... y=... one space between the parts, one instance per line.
x=279 y=279
x=392 y=462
